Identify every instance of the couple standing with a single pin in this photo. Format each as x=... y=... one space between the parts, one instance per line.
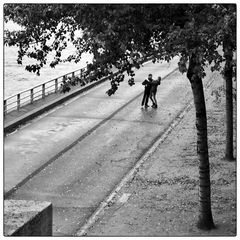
x=150 y=91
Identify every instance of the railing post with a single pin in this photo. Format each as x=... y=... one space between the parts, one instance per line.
x=56 y=85
x=43 y=90
x=4 y=107
x=31 y=95
x=18 y=101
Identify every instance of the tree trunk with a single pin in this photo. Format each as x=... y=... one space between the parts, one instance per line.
x=205 y=220
x=228 y=74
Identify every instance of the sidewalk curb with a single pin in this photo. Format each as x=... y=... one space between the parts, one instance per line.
x=129 y=175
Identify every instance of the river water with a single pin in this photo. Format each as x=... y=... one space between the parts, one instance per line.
x=17 y=79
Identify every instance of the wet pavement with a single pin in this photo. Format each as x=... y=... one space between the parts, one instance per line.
x=74 y=155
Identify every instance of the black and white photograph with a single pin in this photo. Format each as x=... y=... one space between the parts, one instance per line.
x=119 y=119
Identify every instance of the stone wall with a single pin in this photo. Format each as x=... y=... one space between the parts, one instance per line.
x=27 y=218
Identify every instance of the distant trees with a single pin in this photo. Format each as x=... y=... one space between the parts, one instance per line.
x=228 y=32
x=121 y=35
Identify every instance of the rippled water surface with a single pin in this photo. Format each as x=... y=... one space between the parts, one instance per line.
x=17 y=79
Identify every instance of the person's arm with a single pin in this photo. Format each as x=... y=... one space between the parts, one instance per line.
x=145 y=82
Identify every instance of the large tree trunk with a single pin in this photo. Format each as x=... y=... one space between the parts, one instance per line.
x=228 y=74
x=205 y=220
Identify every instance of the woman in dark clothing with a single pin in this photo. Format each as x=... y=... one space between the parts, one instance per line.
x=153 y=91
x=148 y=85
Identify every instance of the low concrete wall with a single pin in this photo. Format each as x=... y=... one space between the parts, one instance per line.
x=27 y=218
x=11 y=126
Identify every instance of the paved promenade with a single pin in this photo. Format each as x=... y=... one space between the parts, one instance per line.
x=75 y=154
x=39 y=142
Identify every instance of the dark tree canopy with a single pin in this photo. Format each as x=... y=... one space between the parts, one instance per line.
x=120 y=35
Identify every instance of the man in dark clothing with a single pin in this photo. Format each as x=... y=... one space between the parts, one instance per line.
x=148 y=85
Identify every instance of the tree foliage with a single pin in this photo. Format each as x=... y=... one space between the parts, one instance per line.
x=119 y=35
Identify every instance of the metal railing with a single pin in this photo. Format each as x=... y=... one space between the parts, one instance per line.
x=40 y=91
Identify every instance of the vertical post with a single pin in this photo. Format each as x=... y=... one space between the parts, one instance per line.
x=43 y=90
x=4 y=107
x=56 y=85
x=31 y=95
x=80 y=75
x=72 y=74
x=18 y=101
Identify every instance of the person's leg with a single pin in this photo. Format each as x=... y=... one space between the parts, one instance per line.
x=147 y=98
x=151 y=97
x=144 y=98
x=155 y=100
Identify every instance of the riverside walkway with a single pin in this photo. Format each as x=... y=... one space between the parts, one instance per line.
x=74 y=154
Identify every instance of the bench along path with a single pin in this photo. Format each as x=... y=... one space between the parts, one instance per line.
x=74 y=155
